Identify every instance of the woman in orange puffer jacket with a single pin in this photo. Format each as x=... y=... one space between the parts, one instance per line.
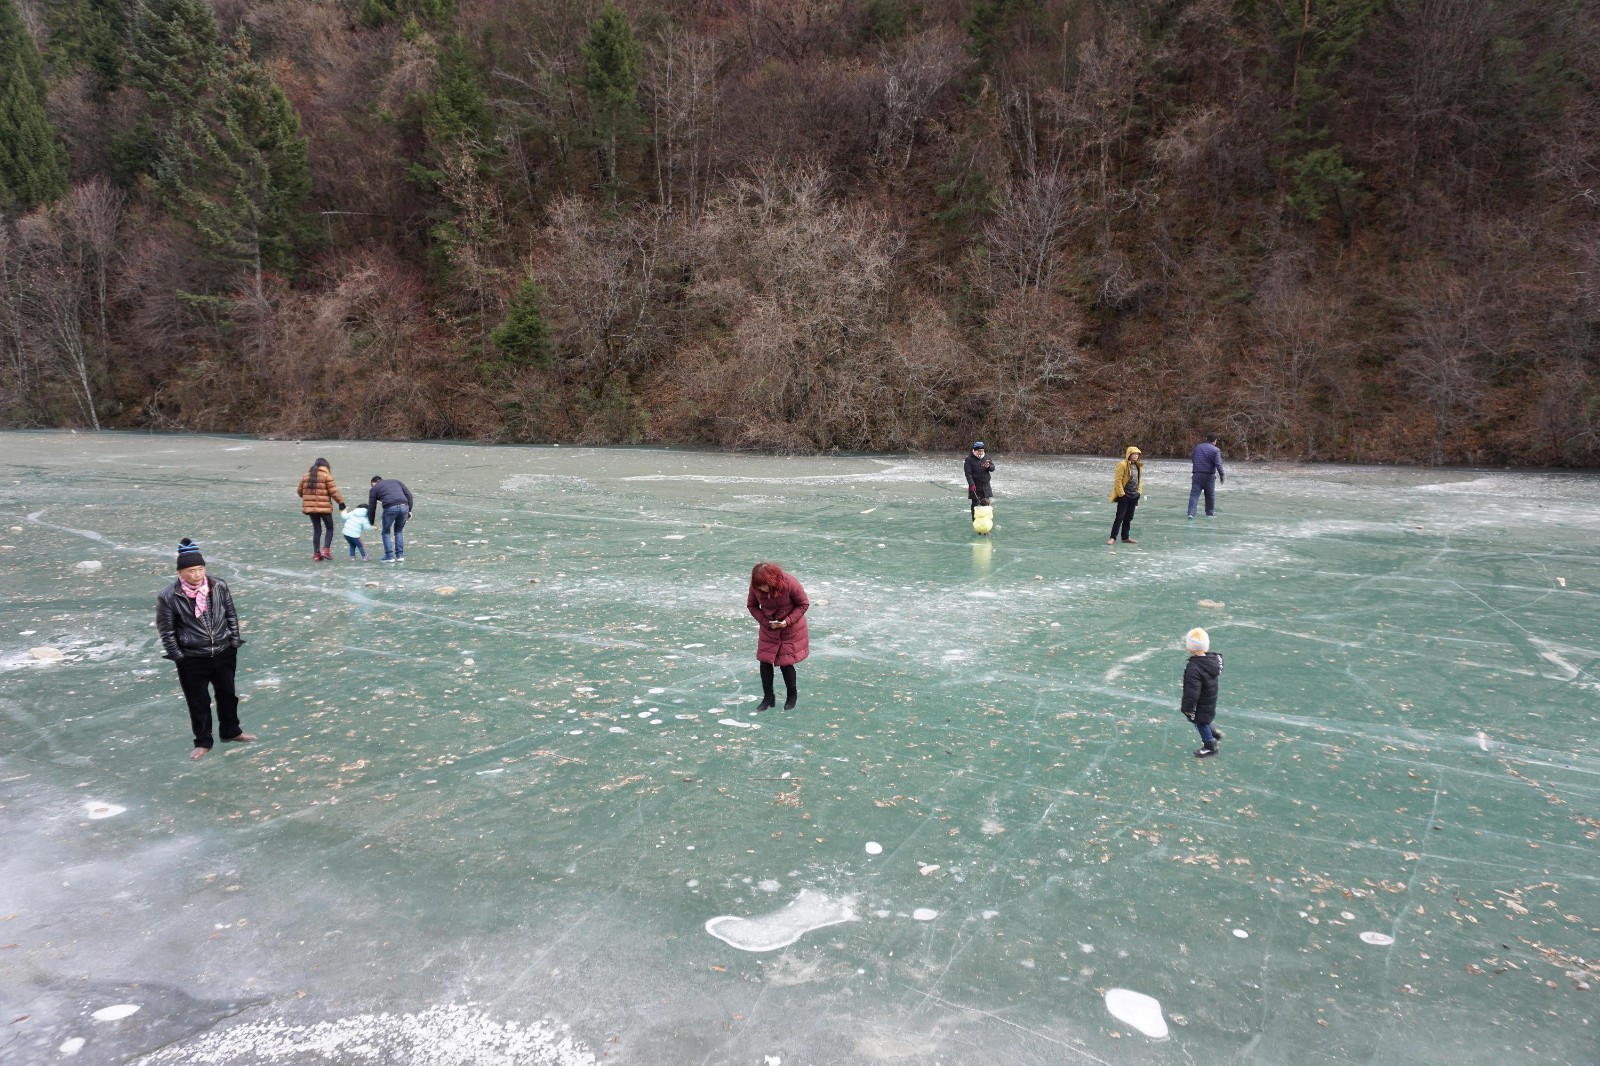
x=318 y=494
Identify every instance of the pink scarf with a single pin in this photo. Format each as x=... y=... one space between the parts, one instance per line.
x=198 y=593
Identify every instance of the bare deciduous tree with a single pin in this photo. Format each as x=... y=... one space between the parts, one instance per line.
x=680 y=84
x=914 y=72
x=1034 y=218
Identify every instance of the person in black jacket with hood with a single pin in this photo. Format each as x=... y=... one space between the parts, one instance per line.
x=1200 y=689
x=977 y=468
x=200 y=633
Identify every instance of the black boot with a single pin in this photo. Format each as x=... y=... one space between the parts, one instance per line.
x=767 y=701
x=1207 y=749
x=789 y=700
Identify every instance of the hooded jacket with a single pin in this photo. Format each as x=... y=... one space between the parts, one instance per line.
x=1200 y=687
x=355 y=522
x=185 y=633
x=1119 y=480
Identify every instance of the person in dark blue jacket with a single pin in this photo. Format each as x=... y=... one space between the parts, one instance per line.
x=1206 y=475
x=392 y=495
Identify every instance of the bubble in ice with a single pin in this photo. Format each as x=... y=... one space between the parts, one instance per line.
x=96 y=809
x=924 y=914
x=617 y=729
x=1241 y=934
x=115 y=1013
x=657 y=691
x=874 y=848
x=574 y=732
x=694 y=645
x=768 y=932
x=1381 y=939
x=1138 y=1010
x=1347 y=916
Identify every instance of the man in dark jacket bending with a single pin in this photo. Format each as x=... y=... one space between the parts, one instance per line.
x=395 y=499
x=977 y=468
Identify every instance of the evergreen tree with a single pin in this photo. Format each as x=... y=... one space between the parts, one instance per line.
x=459 y=108
x=33 y=166
x=226 y=151
x=612 y=58
x=87 y=33
x=524 y=336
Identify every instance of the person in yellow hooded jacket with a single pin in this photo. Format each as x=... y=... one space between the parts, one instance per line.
x=1127 y=486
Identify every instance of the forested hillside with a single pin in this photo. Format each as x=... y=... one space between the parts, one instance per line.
x=1326 y=229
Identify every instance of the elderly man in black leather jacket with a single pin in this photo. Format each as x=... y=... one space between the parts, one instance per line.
x=200 y=633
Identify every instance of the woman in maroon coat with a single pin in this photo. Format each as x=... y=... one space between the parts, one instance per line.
x=778 y=604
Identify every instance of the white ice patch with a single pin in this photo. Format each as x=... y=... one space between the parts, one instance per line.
x=768 y=932
x=657 y=691
x=924 y=914
x=1138 y=1010
x=673 y=536
x=47 y=655
x=116 y=1013
x=72 y=1046
x=737 y=724
x=1380 y=939
x=1123 y=664
x=769 y=885
x=96 y=809
x=438 y=1036
x=616 y=729
x=89 y=564
x=1241 y=934
x=874 y=848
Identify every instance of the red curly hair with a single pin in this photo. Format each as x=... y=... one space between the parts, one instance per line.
x=769 y=574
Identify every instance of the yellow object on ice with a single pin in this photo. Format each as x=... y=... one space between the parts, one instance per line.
x=983 y=519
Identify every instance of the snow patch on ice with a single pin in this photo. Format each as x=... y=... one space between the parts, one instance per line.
x=924 y=914
x=768 y=932
x=115 y=1013
x=1380 y=939
x=438 y=1036
x=72 y=1046
x=1138 y=1010
x=96 y=809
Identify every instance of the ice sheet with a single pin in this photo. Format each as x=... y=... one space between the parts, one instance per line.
x=501 y=818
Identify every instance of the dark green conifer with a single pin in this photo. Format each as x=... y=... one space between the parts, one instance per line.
x=612 y=58
x=33 y=166
x=524 y=336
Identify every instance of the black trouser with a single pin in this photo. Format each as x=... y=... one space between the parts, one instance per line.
x=321 y=524
x=766 y=680
x=1124 y=519
x=197 y=672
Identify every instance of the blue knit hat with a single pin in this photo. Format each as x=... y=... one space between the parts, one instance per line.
x=189 y=554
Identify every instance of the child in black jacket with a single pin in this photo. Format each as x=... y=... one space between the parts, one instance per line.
x=1200 y=689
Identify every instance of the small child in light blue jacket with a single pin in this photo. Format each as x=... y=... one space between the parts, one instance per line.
x=355 y=524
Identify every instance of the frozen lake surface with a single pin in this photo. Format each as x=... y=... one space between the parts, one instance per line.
x=510 y=803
